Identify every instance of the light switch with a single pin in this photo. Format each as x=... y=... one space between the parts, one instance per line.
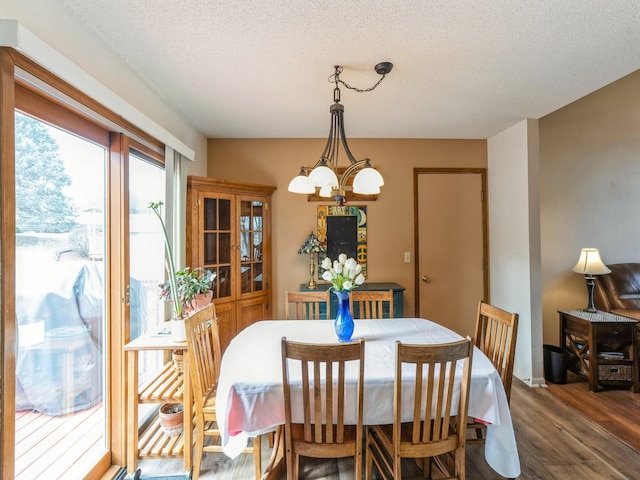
x=407 y=257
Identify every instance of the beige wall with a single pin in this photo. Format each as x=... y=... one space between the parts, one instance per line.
x=390 y=218
x=590 y=190
x=514 y=239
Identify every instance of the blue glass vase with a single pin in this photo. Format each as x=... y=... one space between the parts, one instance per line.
x=343 y=323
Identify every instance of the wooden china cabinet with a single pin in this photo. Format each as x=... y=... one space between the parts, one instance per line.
x=229 y=233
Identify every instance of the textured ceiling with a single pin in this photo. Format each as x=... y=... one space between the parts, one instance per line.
x=462 y=68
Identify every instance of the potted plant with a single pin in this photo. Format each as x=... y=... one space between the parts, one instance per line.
x=201 y=287
x=172 y=418
x=194 y=287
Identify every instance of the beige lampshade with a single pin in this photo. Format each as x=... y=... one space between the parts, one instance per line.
x=590 y=263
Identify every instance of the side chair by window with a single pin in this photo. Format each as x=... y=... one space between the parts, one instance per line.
x=322 y=402
x=203 y=346
x=437 y=430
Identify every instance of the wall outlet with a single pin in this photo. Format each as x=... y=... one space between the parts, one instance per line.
x=407 y=257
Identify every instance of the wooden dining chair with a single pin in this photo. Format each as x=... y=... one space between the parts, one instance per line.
x=368 y=304
x=203 y=346
x=307 y=305
x=322 y=433
x=437 y=430
x=496 y=335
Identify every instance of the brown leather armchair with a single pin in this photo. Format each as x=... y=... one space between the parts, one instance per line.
x=619 y=291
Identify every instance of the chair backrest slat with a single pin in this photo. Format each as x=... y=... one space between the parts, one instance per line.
x=317 y=399
x=306 y=397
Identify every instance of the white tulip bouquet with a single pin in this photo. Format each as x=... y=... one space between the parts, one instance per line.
x=343 y=274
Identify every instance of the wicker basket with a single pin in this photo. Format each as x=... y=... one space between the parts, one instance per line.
x=623 y=373
x=178 y=364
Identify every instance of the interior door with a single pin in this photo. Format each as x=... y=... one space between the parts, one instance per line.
x=451 y=246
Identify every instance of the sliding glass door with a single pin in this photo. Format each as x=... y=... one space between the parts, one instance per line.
x=81 y=258
x=60 y=195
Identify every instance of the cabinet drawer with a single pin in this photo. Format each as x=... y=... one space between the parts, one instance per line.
x=614 y=333
x=618 y=373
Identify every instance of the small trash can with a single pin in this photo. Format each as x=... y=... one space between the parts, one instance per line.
x=555 y=364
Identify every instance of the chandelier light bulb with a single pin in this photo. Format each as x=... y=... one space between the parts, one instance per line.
x=371 y=190
x=325 y=192
x=323 y=176
x=301 y=184
x=367 y=181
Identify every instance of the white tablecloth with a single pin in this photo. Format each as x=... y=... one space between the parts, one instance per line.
x=250 y=396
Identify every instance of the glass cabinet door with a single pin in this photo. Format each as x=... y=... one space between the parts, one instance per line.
x=217 y=242
x=251 y=244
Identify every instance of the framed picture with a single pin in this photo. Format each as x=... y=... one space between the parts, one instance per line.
x=343 y=229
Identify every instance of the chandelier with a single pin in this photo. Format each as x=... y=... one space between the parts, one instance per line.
x=325 y=174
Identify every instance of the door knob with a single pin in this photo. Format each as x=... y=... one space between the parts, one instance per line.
x=426 y=279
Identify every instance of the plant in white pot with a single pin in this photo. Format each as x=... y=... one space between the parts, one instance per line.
x=171 y=293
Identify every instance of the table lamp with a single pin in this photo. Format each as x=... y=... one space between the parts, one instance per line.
x=312 y=246
x=590 y=264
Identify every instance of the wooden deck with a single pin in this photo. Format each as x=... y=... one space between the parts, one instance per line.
x=56 y=447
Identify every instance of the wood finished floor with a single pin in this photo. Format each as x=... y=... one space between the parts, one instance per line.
x=615 y=409
x=555 y=441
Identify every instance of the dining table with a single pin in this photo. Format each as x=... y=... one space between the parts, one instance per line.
x=250 y=401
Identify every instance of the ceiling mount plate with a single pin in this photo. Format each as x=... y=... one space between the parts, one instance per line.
x=383 y=68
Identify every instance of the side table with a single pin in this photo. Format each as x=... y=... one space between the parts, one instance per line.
x=601 y=346
x=167 y=386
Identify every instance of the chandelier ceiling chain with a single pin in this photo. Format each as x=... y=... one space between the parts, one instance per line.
x=324 y=174
x=382 y=69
